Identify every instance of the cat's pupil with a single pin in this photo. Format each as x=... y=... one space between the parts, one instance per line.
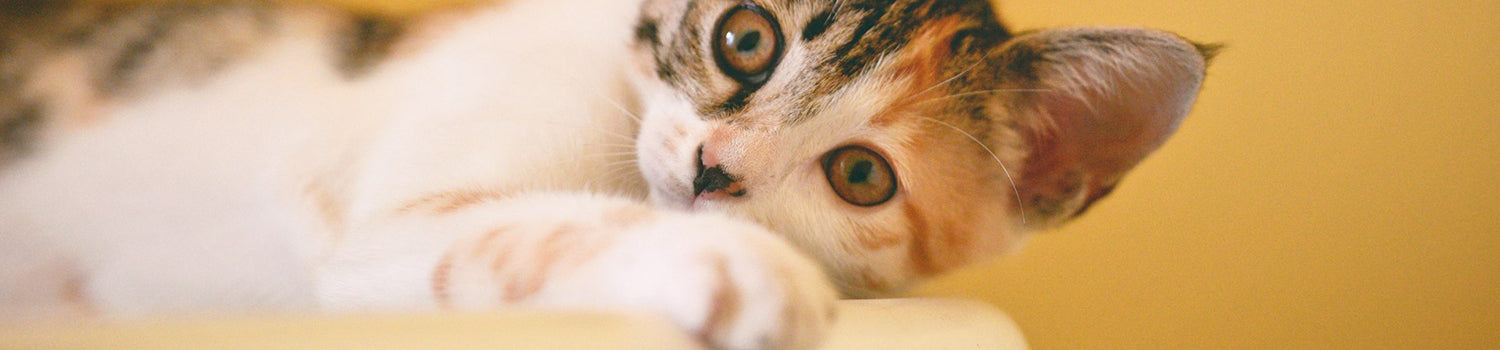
x=748 y=42
x=860 y=172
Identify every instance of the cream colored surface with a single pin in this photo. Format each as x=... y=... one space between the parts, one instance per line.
x=863 y=325
x=454 y=332
x=1336 y=187
x=928 y=324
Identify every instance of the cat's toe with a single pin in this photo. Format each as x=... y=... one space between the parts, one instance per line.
x=779 y=300
x=731 y=284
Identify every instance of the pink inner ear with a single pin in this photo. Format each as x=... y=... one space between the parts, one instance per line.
x=1086 y=139
x=1110 y=134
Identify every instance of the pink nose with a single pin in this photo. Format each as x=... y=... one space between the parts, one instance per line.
x=712 y=178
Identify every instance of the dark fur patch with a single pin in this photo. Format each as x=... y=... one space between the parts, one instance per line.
x=368 y=41
x=1023 y=61
x=146 y=46
x=734 y=104
x=665 y=72
x=646 y=32
x=681 y=59
x=868 y=31
x=851 y=64
x=818 y=25
x=34 y=8
x=18 y=131
x=125 y=67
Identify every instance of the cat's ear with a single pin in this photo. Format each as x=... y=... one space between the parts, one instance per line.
x=1091 y=104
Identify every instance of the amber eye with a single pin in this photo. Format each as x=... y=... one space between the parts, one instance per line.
x=747 y=44
x=860 y=176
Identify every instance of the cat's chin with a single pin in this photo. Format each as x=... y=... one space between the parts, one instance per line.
x=700 y=203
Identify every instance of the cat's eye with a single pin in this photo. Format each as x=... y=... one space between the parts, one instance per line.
x=860 y=176
x=747 y=44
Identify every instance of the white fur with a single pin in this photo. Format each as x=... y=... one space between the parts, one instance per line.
x=193 y=200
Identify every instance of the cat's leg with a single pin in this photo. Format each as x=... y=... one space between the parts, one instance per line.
x=733 y=284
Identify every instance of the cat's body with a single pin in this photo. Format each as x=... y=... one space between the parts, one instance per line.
x=303 y=158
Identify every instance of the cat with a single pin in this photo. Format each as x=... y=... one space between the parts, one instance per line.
x=734 y=166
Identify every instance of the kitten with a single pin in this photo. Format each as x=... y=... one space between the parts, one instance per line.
x=733 y=166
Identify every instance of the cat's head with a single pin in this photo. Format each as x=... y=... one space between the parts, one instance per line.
x=896 y=139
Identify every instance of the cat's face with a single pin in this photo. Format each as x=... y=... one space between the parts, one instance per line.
x=894 y=139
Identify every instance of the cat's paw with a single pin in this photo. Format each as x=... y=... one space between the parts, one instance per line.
x=734 y=285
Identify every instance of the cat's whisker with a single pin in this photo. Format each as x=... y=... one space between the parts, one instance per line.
x=623 y=153
x=606 y=98
x=1020 y=205
x=950 y=79
x=622 y=137
x=617 y=145
x=621 y=108
x=620 y=149
x=614 y=169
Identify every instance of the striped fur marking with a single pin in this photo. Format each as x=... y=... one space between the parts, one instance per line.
x=921 y=236
x=546 y=256
x=725 y=304
x=629 y=216
x=451 y=201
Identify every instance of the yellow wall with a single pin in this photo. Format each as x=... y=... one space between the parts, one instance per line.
x=1334 y=188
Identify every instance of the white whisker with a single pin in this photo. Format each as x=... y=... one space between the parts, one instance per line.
x=950 y=79
x=622 y=109
x=1014 y=189
x=614 y=169
x=621 y=137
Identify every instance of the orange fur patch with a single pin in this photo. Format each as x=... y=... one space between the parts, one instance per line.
x=440 y=277
x=873 y=280
x=920 y=64
x=72 y=293
x=488 y=240
x=878 y=239
x=725 y=304
x=448 y=202
x=629 y=216
x=329 y=209
x=940 y=232
x=921 y=254
x=547 y=254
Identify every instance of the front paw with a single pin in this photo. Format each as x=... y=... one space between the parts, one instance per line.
x=732 y=284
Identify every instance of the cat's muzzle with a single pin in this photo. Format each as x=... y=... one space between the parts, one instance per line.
x=715 y=179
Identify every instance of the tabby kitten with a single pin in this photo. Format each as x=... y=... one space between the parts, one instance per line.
x=732 y=165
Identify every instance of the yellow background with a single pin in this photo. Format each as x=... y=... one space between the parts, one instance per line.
x=1334 y=188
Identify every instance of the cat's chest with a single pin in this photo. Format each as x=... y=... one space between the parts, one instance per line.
x=525 y=94
x=528 y=95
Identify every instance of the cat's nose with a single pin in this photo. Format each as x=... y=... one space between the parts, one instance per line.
x=712 y=178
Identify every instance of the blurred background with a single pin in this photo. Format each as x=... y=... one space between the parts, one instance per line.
x=1335 y=187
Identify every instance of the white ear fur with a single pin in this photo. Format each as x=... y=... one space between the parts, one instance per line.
x=1099 y=101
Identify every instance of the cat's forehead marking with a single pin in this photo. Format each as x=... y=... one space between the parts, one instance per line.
x=887 y=28
x=840 y=41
